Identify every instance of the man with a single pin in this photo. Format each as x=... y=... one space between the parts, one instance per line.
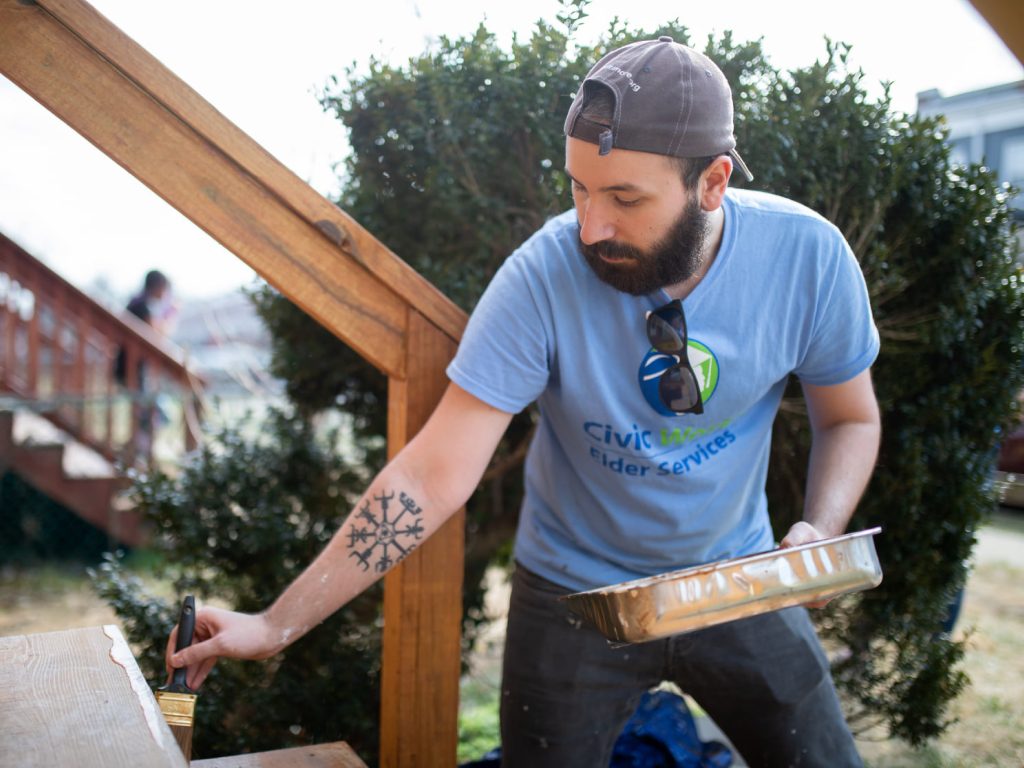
x=656 y=326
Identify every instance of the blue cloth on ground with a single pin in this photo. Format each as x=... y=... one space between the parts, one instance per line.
x=660 y=734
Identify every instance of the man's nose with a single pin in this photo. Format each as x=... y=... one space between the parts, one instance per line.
x=595 y=225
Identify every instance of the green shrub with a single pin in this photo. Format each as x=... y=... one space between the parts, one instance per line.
x=938 y=250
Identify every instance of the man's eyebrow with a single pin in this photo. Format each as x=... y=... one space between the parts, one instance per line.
x=610 y=188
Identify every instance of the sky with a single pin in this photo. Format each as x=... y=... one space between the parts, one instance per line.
x=261 y=64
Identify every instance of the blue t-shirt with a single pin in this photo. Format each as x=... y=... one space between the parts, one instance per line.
x=616 y=487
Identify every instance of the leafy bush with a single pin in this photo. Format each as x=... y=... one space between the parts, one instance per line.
x=455 y=159
x=937 y=247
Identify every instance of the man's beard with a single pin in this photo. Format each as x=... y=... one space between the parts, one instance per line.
x=671 y=260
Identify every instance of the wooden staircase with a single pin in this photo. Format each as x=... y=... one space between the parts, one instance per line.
x=69 y=473
x=65 y=422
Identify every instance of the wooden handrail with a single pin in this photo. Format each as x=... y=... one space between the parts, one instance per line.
x=336 y=225
x=1006 y=20
x=59 y=345
x=91 y=75
x=163 y=132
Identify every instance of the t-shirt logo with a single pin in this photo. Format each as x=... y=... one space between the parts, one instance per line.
x=655 y=363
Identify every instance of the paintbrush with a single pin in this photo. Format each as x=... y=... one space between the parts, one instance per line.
x=178 y=701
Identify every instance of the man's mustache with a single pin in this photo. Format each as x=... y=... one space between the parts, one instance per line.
x=609 y=249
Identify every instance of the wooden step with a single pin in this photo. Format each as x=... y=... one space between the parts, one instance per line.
x=337 y=754
x=45 y=460
x=90 y=496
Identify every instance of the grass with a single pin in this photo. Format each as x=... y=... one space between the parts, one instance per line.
x=478 y=720
x=47 y=597
x=480 y=688
x=1007 y=520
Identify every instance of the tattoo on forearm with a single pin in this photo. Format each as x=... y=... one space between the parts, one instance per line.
x=380 y=540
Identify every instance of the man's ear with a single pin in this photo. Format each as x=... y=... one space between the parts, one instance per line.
x=713 y=183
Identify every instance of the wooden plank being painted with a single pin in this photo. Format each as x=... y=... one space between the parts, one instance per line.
x=78 y=698
x=337 y=754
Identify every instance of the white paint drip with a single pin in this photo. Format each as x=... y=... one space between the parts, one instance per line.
x=809 y=564
x=121 y=655
x=289 y=631
x=826 y=561
x=787 y=576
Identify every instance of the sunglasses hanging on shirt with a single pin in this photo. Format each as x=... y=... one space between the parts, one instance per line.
x=677 y=387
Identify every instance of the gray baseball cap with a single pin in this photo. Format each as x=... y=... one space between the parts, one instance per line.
x=669 y=100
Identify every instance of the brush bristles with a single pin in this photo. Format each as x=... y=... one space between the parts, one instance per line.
x=183 y=735
x=178 y=710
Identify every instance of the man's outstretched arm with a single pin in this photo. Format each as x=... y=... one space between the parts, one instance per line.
x=412 y=497
x=846 y=429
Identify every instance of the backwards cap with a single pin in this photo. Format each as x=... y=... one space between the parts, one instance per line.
x=669 y=100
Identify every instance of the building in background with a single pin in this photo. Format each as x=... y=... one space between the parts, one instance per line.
x=985 y=126
x=229 y=346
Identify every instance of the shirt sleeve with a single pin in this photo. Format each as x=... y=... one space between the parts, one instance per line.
x=844 y=340
x=140 y=309
x=506 y=351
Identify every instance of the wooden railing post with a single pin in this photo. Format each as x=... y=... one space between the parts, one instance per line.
x=8 y=358
x=423 y=595
x=79 y=385
x=32 y=373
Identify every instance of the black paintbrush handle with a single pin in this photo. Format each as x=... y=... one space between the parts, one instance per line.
x=186 y=628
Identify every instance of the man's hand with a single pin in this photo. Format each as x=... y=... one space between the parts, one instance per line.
x=845 y=429
x=801 y=533
x=804 y=533
x=223 y=633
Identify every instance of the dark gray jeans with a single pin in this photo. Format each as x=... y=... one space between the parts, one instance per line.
x=566 y=694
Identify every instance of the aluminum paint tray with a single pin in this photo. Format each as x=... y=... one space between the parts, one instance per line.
x=694 y=598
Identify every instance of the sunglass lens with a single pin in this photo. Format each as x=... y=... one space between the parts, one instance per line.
x=679 y=390
x=665 y=330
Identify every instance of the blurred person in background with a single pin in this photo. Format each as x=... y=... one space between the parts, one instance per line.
x=155 y=306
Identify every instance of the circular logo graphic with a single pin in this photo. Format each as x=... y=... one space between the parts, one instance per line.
x=654 y=365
